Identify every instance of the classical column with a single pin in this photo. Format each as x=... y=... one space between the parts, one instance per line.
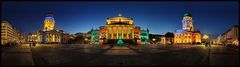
x=117 y=34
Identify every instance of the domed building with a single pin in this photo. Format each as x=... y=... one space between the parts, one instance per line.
x=117 y=27
x=187 y=35
x=49 y=34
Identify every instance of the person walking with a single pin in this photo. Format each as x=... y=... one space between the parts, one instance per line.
x=30 y=45
x=206 y=44
x=34 y=44
x=210 y=44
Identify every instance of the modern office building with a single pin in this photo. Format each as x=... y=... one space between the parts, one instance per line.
x=9 y=34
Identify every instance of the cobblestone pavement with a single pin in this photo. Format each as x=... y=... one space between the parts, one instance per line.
x=91 y=55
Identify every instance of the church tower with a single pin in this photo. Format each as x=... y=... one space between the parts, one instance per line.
x=49 y=22
x=187 y=22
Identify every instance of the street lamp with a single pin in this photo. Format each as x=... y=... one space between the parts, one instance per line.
x=153 y=39
x=205 y=36
x=206 y=39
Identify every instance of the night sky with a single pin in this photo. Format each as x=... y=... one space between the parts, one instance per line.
x=159 y=17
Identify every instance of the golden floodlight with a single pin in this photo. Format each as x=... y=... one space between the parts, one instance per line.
x=205 y=36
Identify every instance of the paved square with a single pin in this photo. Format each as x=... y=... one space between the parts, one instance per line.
x=91 y=55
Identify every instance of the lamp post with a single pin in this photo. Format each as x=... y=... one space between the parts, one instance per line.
x=206 y=38
x=154 y=40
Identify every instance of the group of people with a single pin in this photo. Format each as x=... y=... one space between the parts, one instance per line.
x=207 y=44
x=32 y=44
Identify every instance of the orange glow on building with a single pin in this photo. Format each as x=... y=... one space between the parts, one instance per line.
x=187 y=35
x=49 y=22
x=231 y=36
x=119 y=27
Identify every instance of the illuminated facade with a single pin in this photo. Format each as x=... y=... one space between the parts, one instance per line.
x=163 y=40
x=231 y=36
x=187 y=35
x=144 y=36
x=169 y=38
x=119 y=26
x=206 y=38
x=34 y=37
x=49 y=34
x=21 y=38
x=64 y=36
x=52 y=36
x=155 y=38
x=82 y=38
x=187 y=22
x=123 y=27
x=218 y=40
x=95 y=36
x=9 y=34
x=49 y=22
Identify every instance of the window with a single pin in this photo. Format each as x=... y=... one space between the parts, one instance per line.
x=3 y=34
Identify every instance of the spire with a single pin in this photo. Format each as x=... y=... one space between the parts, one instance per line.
x=50 y=14
x=187 y=13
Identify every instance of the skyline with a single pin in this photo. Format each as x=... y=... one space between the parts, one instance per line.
x=145 y=14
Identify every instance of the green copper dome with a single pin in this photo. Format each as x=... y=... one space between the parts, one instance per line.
x=187 y=14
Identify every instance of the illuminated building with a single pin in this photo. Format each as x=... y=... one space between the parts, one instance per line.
x=34 y=37
x=187 y=35
x=49 y=34
x=64 y=36
x=218 y=40
x=206 y=38
x=231 y=36
x=163 y=40
x=49 y=22
x=81 y=38
x=21 y=38
x=120 y=26
x=95 y=36
x=155 y=38
x=144 y=36
x=52 y=36
x=169 y=38
x=187 y=22
x=9 y=34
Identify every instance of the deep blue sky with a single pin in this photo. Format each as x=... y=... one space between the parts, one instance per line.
x=159 y=17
